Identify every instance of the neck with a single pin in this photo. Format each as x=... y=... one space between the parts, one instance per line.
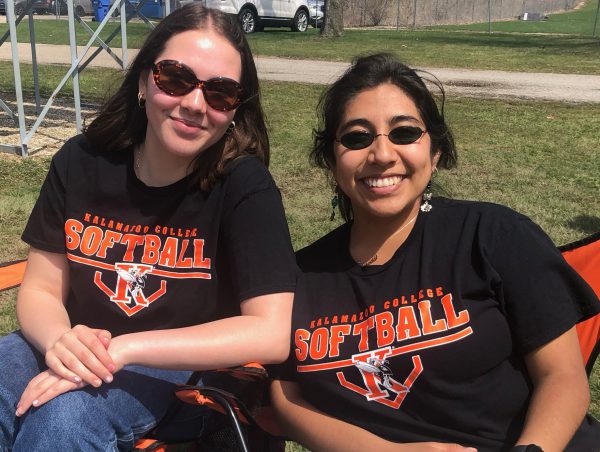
x=158 y=169
x=374 y=241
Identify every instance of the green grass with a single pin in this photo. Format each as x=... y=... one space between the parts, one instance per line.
x=580 y=21
x=57 y=32
x=440 y=47
x=94 y=83
x=538 y=158
x=469 y=50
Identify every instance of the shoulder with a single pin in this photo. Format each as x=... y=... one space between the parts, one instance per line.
x=246 y=167
x=481 y=209
x=78 y=150
x=74 y=147
x=73 y=154
x=247 y=174
x=476 y=214
x=492 y=226
x=322 y=253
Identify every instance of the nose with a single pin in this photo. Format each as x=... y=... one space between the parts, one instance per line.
x=382 y=151
x=194 y=101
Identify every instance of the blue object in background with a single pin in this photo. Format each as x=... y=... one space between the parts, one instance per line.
x=100 y=9
x=153 y=8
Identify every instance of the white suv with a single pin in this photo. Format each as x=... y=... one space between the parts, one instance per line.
x=256 y=14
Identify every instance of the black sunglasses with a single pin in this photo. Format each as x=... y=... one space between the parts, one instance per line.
x=359 y=139
x=176 y=79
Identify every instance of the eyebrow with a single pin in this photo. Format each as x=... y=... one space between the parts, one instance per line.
x=402 y=118
x=366 y=123
x=356 y=122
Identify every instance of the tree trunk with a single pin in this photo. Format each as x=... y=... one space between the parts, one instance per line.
x=333 y=25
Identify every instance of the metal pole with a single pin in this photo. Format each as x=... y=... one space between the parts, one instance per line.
x=596 y=19
x=124 y=54
x=10 y=18
x=74 y=62
x=490 y=16
x=36 y=82
x=398 y=17
x=414 y=14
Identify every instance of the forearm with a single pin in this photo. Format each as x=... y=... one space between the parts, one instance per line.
x=259 y=335
x=42 y=319
x=40 y=303
x=316 y=430
x=556 y=410
x=561 y=394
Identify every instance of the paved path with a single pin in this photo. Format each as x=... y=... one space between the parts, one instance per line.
x=494 y=84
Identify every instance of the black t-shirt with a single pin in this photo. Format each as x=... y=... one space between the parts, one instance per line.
x=430 y=345
x=143 y=258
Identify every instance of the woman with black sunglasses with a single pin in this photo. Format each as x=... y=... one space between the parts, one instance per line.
x=159 y=246
x=426 y=323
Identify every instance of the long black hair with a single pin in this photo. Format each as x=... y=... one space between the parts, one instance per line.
x=121 y=123
x=369 y=72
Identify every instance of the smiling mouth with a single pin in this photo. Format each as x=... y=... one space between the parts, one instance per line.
x=187 y=123
x=379 y=182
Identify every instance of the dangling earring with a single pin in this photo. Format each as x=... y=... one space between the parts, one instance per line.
x=334 y=203
x=141 y=100
x=425 y=206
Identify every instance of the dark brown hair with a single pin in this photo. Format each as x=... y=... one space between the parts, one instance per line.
x=121 y=123
x=369 y=72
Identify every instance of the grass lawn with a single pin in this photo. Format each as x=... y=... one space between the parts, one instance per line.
x=539 y=158
x=457 y=46
x=580 y=21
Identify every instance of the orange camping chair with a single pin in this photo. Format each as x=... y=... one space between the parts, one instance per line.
x=584 y=256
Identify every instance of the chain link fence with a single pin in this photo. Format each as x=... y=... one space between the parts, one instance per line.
x=415 y=13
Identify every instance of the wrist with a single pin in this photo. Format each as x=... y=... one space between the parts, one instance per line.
x=119 y=351
x=53 y=338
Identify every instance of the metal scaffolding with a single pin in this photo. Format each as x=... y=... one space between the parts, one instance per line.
x=78 y=62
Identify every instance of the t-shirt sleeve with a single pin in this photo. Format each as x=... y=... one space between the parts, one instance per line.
x=542 y=295
x=260 y=257
x=285 y=371
x=45 y=227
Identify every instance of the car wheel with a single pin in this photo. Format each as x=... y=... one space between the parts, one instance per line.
x=300 y=22
x=79 y=11
x=249 y=20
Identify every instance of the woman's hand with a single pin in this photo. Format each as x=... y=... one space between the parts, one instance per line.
x=81 y=355
x=44 y=387
x=49 y=384
x=74 y=353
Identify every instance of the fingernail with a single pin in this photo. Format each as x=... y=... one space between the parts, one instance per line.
x=111 y=367
x=109 y=379
x=77 y=379
x=104 y=339
x=18 y=412
x=97 y=383
x=35 y=402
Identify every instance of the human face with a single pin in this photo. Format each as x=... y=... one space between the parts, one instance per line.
x=182 y=127
x=384 y=179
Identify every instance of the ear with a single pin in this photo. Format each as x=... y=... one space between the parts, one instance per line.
x=435 y=158
x=143 y=81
